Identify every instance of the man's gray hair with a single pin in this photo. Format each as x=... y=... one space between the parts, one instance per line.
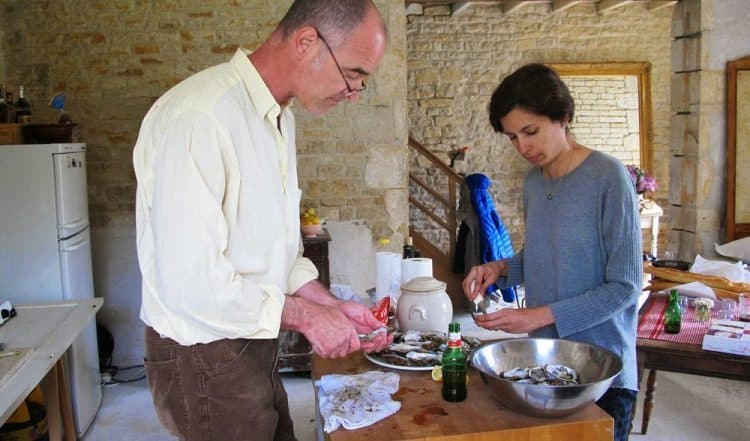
x=334 y=19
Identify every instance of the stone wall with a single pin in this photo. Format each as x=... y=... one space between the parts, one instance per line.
x=114 y=59
x=456 y=61
x=606 y=115
x=3 y=27
x=708 y=34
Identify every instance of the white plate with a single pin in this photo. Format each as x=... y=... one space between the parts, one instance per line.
x=384 y=363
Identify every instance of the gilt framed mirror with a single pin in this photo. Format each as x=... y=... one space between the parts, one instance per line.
x=738 y=149
x=613 y=108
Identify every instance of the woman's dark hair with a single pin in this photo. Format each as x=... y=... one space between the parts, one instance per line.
x=335 y=19
x=535 y=88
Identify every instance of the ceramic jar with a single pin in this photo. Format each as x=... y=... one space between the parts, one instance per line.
x=424 y=306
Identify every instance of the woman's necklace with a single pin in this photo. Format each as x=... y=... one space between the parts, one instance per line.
x=551 y=185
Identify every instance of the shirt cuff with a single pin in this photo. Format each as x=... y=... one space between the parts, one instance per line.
x=303 y=271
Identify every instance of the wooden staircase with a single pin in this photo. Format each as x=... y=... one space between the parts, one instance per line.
x=441 y=215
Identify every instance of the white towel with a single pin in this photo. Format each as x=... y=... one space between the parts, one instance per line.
x=356 y=401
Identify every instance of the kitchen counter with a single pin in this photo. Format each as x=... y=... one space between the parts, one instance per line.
x=425 y=416
x=42 y=332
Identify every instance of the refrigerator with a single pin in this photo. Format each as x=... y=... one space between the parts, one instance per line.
x=45 y=249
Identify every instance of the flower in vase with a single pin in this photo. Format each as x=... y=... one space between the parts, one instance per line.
x=643 y=182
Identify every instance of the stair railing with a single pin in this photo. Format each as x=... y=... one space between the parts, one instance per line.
x=445 y=204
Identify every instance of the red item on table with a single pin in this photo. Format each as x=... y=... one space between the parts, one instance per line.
x=380 y=310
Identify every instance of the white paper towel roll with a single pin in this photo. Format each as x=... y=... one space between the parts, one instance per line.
x=387 y=275
x=415 y=267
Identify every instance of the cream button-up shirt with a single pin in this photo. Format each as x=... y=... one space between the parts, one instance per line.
x=217 y=208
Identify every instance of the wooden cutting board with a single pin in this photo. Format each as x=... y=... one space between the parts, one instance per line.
x=424 y=415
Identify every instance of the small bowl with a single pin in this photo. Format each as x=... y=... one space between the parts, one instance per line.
x=596 y=366
x=311 y=230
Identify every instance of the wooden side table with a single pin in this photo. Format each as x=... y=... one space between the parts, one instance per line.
x=294 y=349
x=650 y=214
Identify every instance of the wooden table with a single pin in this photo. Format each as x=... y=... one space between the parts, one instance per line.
x=656 y=355
x=425 y=416
x=47 y=331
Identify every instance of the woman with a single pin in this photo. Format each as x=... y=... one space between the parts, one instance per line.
x=581 y=262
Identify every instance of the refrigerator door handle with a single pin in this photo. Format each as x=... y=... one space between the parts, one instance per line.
x=70 y=229
x=78 y=244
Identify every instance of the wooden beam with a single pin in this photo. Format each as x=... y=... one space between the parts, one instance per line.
x=561 y=5
x=608 y=5
x=653 y=5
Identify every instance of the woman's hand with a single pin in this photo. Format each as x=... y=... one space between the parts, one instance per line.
x=516 y=321
x=482 y=276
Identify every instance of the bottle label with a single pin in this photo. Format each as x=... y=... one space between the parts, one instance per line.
x=24 y=119
x=454 y=340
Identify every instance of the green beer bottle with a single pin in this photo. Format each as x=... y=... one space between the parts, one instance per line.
x=454 y=366
x=673 y=314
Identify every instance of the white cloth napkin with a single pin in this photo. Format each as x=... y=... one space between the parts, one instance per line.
x=356 y=401
x=695 y=289
x=735 y=272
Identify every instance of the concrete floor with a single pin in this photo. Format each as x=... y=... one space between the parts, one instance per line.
x=687 y=408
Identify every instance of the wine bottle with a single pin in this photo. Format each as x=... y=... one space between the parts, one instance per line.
x=454 y=366
x=23 y=108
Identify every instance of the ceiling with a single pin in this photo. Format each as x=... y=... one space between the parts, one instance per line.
x=555 y=5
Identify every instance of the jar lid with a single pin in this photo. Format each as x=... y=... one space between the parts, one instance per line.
x=423 y=284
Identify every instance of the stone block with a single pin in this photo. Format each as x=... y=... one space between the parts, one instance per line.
x=675 y=180
x=680 y=92
x=385 y=168
x=678 y=135
x=695 y=86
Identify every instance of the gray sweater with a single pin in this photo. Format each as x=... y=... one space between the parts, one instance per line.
x=582 y=257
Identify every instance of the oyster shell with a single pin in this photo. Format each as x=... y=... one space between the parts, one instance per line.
x=561 y=372
x=516 y=374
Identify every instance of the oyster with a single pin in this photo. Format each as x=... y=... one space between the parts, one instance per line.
x=547 y=375
x=516 y=374
x=537 y=373
x=421 y=357
x=562 y=372
x=403 y=348
x=411 y=337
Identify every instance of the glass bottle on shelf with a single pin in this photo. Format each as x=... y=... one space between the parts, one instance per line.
x=23 y=108
x=673 y=313
x=11 y=116
x=4 y=108
x=409 y=251
x=454 y=366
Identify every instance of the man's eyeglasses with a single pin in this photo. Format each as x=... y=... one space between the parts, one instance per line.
x=349 y=89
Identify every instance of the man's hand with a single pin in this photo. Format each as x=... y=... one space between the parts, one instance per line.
x=516 y=321
x=330 y=333
x=364 y=322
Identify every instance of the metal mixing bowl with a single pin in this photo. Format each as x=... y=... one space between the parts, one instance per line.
x=597 y=367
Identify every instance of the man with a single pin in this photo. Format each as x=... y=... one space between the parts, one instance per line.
x=217 y=217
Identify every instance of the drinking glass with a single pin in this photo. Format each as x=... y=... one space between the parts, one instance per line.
x=744 y=307
x=726 y=309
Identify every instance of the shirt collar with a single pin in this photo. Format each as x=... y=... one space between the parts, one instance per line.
x=259 y=93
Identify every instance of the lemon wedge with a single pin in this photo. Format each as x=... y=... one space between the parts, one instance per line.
x=437 y=373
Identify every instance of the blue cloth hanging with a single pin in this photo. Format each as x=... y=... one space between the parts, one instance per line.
x=494 y=238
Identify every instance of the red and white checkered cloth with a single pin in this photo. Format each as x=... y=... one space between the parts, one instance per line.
x=651 y=324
